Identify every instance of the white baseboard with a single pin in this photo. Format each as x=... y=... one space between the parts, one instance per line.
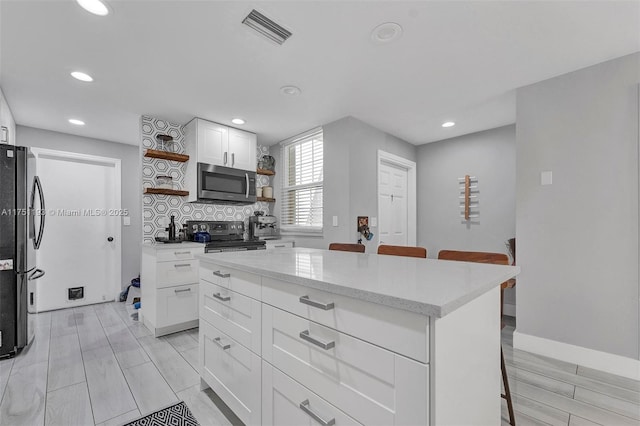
x=509 y=309
x=603 y=361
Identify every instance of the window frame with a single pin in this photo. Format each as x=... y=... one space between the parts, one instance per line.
x=311 y=231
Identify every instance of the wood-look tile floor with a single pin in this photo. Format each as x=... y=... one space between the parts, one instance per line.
x=550 y=392
x=95 y=365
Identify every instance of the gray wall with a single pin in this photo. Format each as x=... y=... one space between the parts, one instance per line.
x=491 y=157
x=578 y=238
x=131 y=182
x=350 y=178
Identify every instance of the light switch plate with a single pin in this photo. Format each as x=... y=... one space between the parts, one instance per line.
x=126 y=221
x=546 y=178
x=335 y=220
x=374 y=222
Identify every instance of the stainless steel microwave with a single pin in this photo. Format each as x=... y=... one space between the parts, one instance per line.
x=225 y=185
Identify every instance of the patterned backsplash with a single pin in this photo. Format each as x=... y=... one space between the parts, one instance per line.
x=156 y=209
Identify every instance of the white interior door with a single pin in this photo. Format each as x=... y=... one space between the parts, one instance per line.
x=81 y=241
x=393 y=204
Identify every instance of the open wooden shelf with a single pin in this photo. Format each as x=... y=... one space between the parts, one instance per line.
x=265 y=172
x=164 y=155
x=165 y=191
x=266 y=200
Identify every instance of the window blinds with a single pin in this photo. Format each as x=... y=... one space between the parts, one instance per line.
x=301 y=208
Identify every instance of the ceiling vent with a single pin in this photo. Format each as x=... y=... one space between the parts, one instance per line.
x=266 y=27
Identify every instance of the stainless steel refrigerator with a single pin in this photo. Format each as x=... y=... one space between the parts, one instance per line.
x=22 y=219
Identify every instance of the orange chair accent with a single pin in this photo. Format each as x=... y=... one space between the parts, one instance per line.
x=357 y=248
x=496 y=259
x=403 y=251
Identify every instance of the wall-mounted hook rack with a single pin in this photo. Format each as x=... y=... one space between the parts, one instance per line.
x=469 y=186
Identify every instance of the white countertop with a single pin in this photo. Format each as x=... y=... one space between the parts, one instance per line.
x=426 y=286
x=160 y=246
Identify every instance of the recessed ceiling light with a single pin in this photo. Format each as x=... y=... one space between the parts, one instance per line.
x=290 y=90
x=76 y=122
x=448 y=124
x=238 y=121
x=384 y=33
x=97 y=7
x=81 y=76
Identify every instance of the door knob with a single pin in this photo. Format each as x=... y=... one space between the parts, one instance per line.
x=110 y=239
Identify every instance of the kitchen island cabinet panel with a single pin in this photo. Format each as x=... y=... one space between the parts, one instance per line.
x=236 y=315
x=232 y=371
x=406 y=333
x=283 y=399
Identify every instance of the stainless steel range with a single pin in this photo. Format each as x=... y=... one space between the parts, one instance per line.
x=221 y=236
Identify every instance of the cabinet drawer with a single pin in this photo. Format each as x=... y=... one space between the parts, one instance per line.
x=285 y=402
x=175 y=273
x=232 y=371
x=368 y=383
x=232 y=313
x=404 y=332
x=233 y=279
x=177 y=305
x=177 y=254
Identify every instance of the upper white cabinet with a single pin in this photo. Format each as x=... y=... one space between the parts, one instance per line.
x=212 y=143
x=7 y=123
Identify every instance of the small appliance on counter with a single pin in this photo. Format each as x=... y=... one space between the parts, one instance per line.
x=263 y=227
x=222 y=236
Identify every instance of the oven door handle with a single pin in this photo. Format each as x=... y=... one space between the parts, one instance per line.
x=246 y=175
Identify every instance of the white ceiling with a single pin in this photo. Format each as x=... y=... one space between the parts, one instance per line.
x=457 y=60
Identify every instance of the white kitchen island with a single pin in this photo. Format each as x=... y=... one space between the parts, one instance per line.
x=306 y=336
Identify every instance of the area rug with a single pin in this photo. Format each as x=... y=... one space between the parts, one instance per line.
x=177 y=414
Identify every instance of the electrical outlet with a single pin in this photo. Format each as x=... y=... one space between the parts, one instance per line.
x=546 y=178
x=335 y=220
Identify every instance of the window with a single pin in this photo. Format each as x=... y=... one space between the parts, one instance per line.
x=302 y=183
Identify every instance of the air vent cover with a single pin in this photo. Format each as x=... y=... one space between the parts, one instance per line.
x=266 y=27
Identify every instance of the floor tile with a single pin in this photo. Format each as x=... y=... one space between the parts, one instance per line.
x=122 y=419
x=178 y=373
x=193 y=357
x=24 y=399
x=607 y=402
x=69 y=406
x=63 y=322
x=202 y=407
x=149 y=388
x=125 y=346
x=181 y=341
x=579 y=421
x=90 y=330
x=36 y=352
x=541 y=381
x=609 y=378
x=5 y=371
x=569 y=405
x=108 y=389
x=65 y=362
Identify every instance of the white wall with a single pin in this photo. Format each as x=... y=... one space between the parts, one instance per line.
x=131 y=183
x=350 y=178
x=491 y=157
x=578 y=238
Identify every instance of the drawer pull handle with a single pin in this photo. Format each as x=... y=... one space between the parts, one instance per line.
x=223 y=346
x=304 y=406
x=221 y=275
x=182 y=265
x=279 y=246
x=178 y=253
x=325 y=306
x=182 y=291
x=221 y=297
x=304 y=335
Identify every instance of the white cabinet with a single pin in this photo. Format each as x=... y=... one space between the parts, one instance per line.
x=169 y=288
x=219 y=145
x=242 y=150
x=7 y=123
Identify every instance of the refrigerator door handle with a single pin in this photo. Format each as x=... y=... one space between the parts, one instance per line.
x=43 y=213
x=38 y=273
